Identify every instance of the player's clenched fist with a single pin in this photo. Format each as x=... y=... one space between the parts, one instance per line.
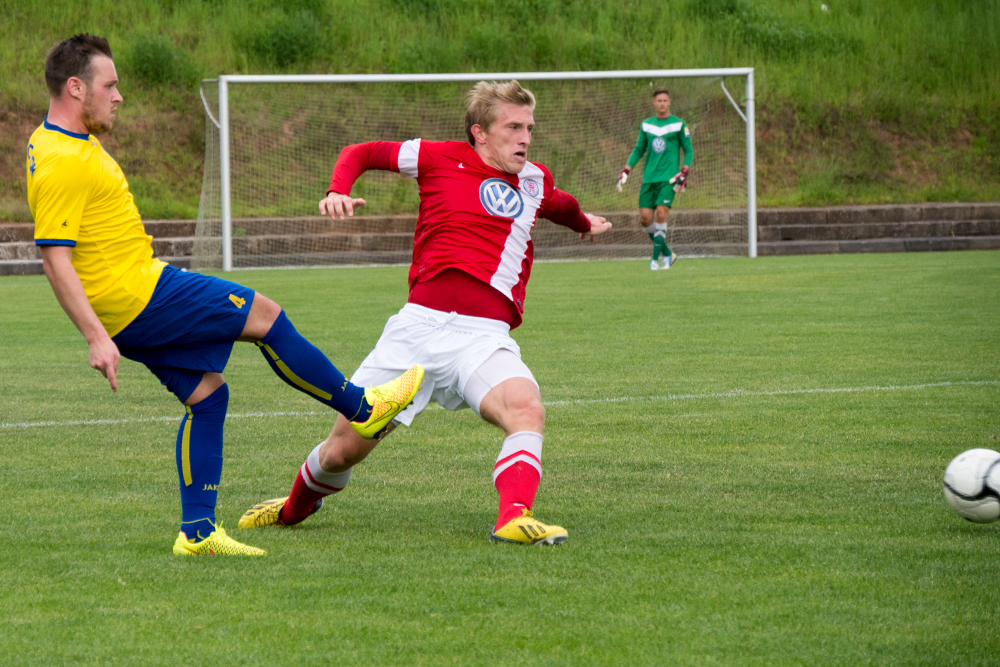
x=337 y=205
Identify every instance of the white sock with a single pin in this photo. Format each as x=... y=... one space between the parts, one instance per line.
x=320 y=480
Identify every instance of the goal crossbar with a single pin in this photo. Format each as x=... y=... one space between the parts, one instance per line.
x=482 y=76
x=223 y=118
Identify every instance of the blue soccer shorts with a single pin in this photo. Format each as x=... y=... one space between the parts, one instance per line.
x=187 y=329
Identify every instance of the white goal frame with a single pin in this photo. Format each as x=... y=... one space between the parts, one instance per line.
x=223 y=121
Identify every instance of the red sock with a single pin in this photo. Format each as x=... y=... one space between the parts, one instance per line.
x=311 y=484
x=300 y=501
x=517 y=486
x=517 y=473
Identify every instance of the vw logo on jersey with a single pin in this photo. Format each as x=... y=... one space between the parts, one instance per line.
x=659 y=145
x=531 y=187
x=500 y=198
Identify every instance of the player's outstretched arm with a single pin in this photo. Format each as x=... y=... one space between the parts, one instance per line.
x=563 y=209
x=69 y=292
x=598 y=225
x=353 y=161
x=337 y=205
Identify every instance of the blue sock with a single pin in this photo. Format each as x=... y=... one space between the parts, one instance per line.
x=302 y=366
x=199 y=462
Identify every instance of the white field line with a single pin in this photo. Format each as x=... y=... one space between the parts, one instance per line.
x=777 y=392
x=583 y=401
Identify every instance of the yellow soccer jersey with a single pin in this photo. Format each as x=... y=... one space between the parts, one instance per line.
x=79 y=197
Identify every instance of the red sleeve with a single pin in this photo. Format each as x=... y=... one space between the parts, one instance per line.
x=356 y=159
x=563 y=209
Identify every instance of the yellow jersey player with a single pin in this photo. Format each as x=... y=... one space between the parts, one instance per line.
x=182 y=326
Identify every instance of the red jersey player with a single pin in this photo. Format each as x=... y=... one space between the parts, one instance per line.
x=472 y=257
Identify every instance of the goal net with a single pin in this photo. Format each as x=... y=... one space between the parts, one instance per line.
x=284 y=135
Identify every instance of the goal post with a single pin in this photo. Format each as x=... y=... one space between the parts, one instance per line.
x=271 y=142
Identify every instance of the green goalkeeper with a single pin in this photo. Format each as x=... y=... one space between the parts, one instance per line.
x=661 y=139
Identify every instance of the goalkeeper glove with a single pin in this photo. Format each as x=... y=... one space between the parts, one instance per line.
x=680 y=179
x=622 y=177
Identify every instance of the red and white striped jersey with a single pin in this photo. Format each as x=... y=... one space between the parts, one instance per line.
x=473 y=217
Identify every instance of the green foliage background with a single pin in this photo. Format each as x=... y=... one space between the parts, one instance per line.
x=866 y=102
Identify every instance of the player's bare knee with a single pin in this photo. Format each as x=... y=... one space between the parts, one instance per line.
x=334 y=457
x=345 y=448
x=525 y=413
x=336 y=461
x=645 y=217
x=262 y=316
x=209 y=383
x=535 y=413
x=269 y=310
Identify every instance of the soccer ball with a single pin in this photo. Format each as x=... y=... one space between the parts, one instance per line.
x=972 y=485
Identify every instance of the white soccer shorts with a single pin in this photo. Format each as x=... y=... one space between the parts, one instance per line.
x=463 y=358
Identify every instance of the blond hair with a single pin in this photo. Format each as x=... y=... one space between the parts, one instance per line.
x=483 y=102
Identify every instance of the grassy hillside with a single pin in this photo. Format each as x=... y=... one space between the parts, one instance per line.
x=865 y=102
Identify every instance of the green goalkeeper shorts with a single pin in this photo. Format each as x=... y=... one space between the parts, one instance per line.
x=656 y=194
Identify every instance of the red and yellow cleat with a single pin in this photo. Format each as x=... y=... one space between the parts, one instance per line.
x=268 y=513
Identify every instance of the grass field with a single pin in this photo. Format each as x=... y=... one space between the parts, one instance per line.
x=747 y=454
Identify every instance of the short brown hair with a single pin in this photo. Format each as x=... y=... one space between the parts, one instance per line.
x=483 y=103
x=661 y=91
x=73 y=57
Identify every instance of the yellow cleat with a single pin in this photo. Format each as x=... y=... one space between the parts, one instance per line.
x=268 y=513
x=526 y=529
x=388 y=400
x=216 y=544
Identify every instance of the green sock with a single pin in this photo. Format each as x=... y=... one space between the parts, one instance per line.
x=658 y=245
x=666 y=249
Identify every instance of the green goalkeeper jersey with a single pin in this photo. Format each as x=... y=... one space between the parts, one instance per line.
x=661 y=140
